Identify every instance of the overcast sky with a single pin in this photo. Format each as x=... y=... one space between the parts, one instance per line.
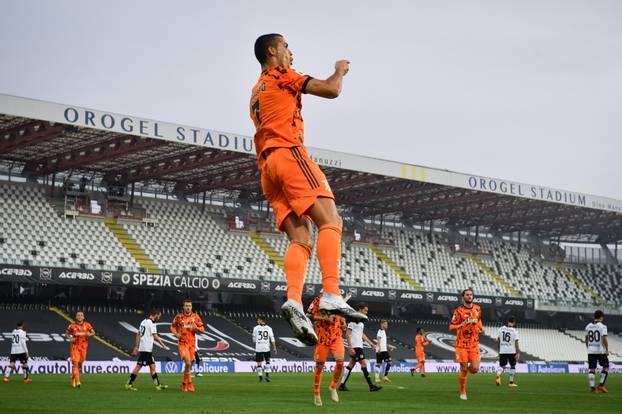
x=523 y=90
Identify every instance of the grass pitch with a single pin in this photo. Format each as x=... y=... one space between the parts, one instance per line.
x=293 y=393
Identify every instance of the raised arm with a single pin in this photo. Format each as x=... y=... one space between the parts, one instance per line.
x=329 y=88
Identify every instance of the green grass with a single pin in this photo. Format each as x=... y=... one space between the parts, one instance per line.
x=292 y=393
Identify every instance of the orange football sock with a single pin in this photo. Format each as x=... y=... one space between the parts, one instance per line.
x=317 y=378
x=187 y=378
x=329 y=256
x=337 y=374
x=78 y=375
x=463 y=381
x=295 y=263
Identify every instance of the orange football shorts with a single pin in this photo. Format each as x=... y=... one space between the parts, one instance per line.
x=291 y=182
x=467 y=354
x=335 y=348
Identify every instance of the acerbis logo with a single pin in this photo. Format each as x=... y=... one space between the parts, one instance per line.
x=408 y=295
x=515 y=302
x=170 y=367
x=280 y=288
x=7 y=271
x=447 y=298
x=487 y=301
x=241 y=285
x=215 y=284
x=375 y=293
x=76 y=275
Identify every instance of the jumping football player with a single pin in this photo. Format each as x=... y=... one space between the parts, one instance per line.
x=293 y=184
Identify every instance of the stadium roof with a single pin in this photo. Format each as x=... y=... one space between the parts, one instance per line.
x=41 y=138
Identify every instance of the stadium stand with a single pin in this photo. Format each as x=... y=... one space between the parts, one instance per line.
x=32 y=232
x=426 y=259
x=185 y=240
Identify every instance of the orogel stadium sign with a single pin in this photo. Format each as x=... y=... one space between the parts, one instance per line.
x=62 y=276
x=204 y=137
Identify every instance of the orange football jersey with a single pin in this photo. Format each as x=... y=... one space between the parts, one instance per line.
x=183 y=324
x=275 y=108
x=420 y=343
x=468 y=335
x=80 y=333
x=327 y=332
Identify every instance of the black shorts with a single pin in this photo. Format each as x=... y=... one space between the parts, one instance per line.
x=22 y=358
x=601 y=359
x=505 y=358
x=145 y=359
x=359 y=355
x=383 y=357
x=262 y=356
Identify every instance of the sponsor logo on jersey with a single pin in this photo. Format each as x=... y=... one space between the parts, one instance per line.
x=76 y=275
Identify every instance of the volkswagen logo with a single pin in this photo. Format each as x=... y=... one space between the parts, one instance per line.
x=170 y=367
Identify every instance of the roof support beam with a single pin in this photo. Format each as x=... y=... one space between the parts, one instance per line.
x=29 y=134
x=93 y=153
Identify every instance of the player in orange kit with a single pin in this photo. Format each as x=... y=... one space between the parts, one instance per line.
x=78 y=333
x=185 y=326
x=329 y=329
x=420 y=343
x=293 y=183
x=467 y=321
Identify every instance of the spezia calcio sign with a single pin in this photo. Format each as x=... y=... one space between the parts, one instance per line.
x=63 y=276
x=184 y=134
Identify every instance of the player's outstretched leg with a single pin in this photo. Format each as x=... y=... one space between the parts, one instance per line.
x=295 y=263
x=324 y=214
